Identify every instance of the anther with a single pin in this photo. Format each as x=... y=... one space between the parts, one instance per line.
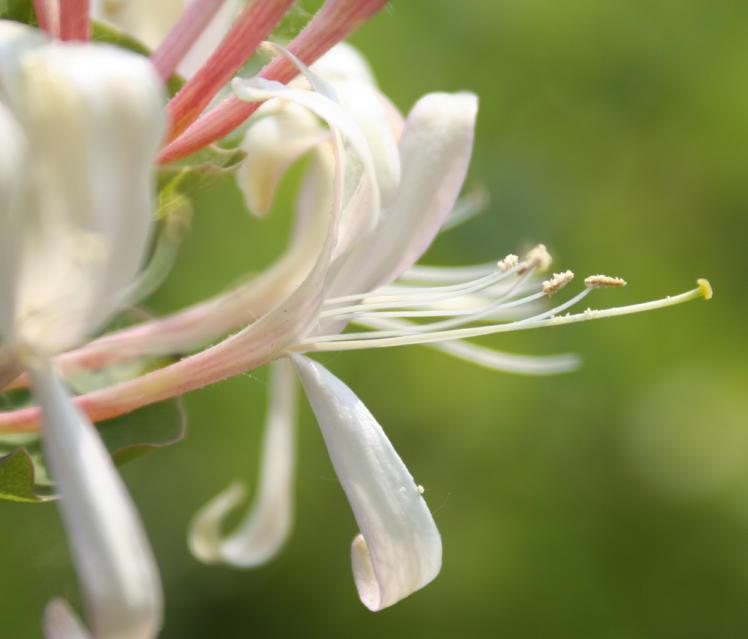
x=557 y=282
x=538 y=258
x=509 y=262
x=604 y=281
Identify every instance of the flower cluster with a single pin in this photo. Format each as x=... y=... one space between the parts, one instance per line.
x=85 y=126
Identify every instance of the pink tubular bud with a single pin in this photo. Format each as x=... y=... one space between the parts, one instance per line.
x=75 y=20
x=252 y=26
x=335 y=21
x=183 y=35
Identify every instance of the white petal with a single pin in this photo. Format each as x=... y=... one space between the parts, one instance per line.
x=344 y=63
x=265 y=529
x=93 y=117
x=434 y=151
x=117 y=571
x=361 y=214
x=60 y=622
x=12 y=169
x=273 y=143
x=399 y=549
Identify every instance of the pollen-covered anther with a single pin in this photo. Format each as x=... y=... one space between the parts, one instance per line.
x=537 y=258
x=557 y=282
x=509 y=262
x=604 y=281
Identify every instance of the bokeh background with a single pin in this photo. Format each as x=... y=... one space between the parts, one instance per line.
x=610 y=503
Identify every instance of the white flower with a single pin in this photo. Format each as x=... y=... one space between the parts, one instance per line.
x=396 y=184
x=80 y=125
x=399 y=548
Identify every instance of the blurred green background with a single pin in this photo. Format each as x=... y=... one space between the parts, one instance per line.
x=610 y=503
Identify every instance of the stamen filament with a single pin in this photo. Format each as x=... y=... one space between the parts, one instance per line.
x=418 y=299
x=329 y=343
x=425 y=328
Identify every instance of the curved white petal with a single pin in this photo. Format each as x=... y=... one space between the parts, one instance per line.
x=435 y=151
x=60 y=622
x=399 y=549
x=265 y=529
x=360 y=210
x=93 y=118
x=117 y=571
x=273 y=143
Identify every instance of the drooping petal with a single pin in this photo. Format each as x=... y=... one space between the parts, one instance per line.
x=93 y=117
x=117 y=571
x=265 y=529
x=399 y=549
x=434 y=150
x=60 y=622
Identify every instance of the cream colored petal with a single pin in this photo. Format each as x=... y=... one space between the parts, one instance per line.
x=399 y=549
x=118 y=574
x=344 y=63
x=12 y=175
x=435 y=151
x=93 y=117
x=267 y=525
x=273 y=143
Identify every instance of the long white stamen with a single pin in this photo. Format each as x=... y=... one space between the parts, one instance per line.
x=329 y=343
x=449 y=324
x=446 y=274
x=472 y=314
x=418 y=298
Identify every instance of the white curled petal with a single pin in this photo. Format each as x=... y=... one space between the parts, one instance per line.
x=435 y=151
x=273 y=144
x=265 y=529
x=259 y=89
x=365 y=104
x=399 y=549
x=93 y=116
x=60 y=622
x=115 y=565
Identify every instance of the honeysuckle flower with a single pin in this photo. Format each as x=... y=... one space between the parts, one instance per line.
x=80 y=125
x=387 y=207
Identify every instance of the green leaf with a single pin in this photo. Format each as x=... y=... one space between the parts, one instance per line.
x=19 y=11
x=17 y=478
x=155 y=426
